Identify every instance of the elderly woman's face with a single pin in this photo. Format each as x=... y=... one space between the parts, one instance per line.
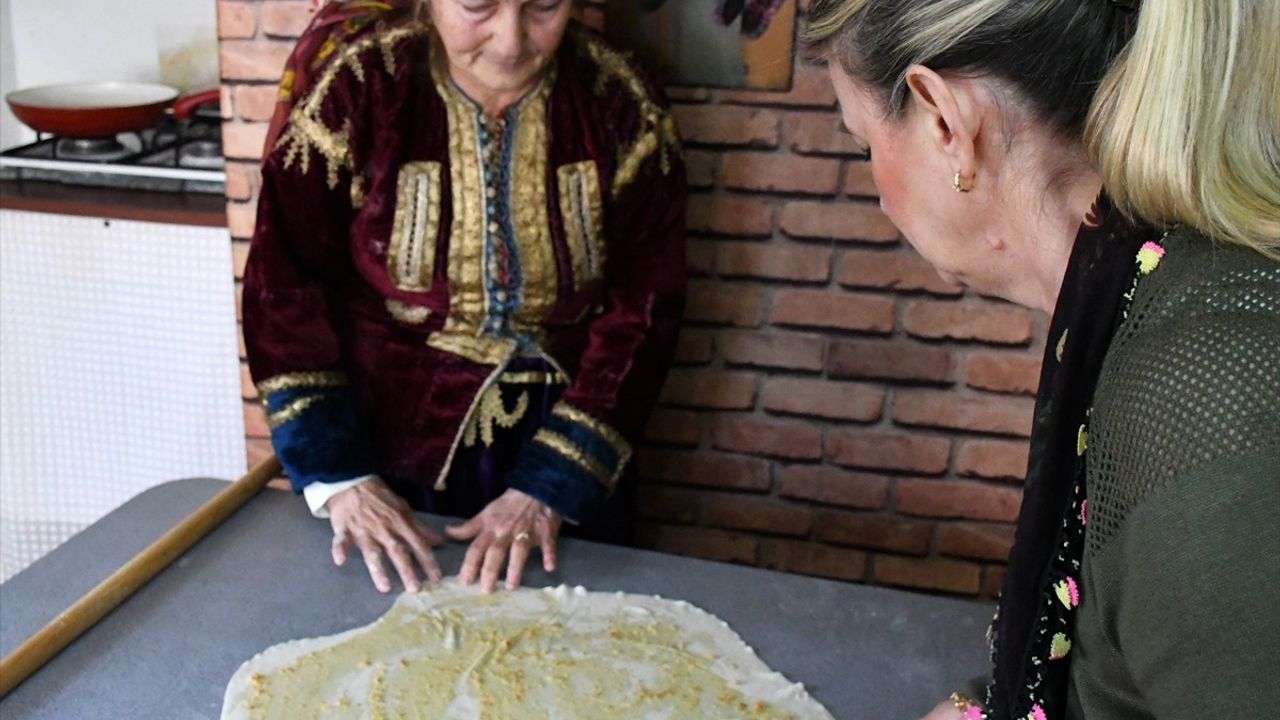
x=914 y=182
x=500 y=46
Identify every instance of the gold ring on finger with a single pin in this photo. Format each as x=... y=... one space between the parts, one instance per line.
x=522 y=536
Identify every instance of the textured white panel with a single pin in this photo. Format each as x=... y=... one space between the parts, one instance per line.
x=118 y=370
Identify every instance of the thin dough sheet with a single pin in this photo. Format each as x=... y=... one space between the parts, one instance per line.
x=453 y=653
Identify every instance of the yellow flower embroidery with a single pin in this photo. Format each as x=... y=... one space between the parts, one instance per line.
x=1059 y=647
x=1149 y=257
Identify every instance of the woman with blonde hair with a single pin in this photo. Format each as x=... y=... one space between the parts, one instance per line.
x=1116 y=164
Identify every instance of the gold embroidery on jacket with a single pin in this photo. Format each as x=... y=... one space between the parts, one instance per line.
x=483 y=349
x=306 y=132
x=290 y=381
x=408 y=314
x=582 y=212
x=529 y=210
x=534 y=377
x=286 y=85
x=411 y=259
x=357 y=191
x=565 y=448
x=658 y=131
x=492 y=412
x=461 y=334
x=441 y=482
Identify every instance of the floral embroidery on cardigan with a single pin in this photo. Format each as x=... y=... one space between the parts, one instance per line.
x=1061 y=597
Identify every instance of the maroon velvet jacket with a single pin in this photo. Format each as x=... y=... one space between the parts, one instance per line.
x=375 y=313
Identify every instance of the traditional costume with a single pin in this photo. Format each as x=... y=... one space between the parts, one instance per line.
x=457 y=304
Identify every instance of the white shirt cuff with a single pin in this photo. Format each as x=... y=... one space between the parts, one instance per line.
x=318 y=493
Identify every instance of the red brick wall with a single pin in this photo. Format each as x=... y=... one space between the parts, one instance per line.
x=836 y=408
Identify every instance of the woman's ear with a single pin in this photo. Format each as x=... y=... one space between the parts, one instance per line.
x=952 y=118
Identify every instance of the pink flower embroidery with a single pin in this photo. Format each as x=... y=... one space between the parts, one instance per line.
x=1068 y=592
x=1149 y=257
x=973 y=712
x=1084 y=512
x=1037 y=713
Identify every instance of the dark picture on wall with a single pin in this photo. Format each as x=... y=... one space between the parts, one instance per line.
x=746 y=44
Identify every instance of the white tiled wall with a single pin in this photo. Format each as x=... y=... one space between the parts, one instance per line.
x=118 y=370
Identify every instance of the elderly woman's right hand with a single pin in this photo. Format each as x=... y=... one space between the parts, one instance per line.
x=376 y=520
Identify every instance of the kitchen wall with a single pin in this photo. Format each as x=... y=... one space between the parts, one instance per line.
x=169 y=41
x=10 y=129
x=837 y=409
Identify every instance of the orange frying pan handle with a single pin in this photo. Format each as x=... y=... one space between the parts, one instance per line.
x=187 y=104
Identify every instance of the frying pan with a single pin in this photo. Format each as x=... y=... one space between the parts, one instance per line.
x=95 y=110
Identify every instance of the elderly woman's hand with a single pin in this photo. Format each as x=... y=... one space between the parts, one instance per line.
x=504 y=533
x=378 y=521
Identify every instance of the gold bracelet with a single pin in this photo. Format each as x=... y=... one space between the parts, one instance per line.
x=967 y=705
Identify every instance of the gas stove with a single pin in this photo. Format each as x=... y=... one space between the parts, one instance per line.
x=174 y=156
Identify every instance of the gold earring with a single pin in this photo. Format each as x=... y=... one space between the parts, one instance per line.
x=955 y=183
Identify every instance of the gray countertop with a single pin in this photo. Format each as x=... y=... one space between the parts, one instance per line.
x=265 y=576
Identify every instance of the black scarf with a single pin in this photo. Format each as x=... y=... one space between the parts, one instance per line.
x=1089 y=308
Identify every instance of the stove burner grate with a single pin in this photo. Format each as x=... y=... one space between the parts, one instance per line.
x=174 y=155
x=91 y=149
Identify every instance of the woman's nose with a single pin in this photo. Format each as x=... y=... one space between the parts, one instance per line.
x=508 y=33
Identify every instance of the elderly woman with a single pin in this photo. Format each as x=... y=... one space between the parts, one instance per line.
x=466 y=279
x=1114 y=164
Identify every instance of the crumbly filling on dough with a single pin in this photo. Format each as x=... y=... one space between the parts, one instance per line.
x=451 y=652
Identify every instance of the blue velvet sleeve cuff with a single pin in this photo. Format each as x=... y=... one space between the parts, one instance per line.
x=315 y=429
x=572 y=464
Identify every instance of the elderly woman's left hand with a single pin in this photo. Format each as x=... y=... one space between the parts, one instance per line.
x=504 y=533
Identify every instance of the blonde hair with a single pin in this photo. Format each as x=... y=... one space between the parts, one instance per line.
x=1176 y=103
x=1186 y=126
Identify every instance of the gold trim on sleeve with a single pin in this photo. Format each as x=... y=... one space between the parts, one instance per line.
x=290 y=381
x=582 y=213
x=564 y=411
x=411 y=259
x=564 y=447
x=291 y=411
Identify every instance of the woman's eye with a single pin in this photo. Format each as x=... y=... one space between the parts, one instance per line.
x=478 y=8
